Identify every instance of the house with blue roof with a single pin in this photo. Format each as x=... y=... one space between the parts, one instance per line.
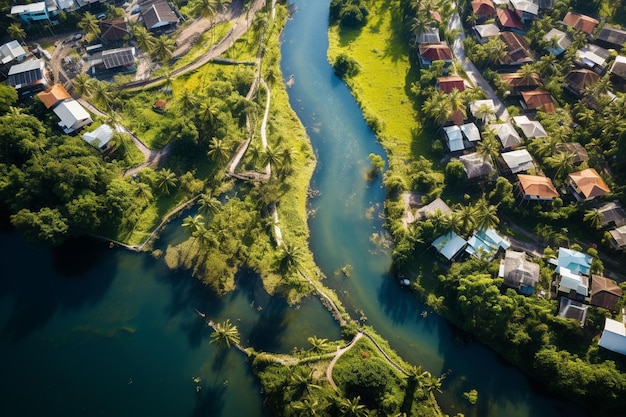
x=449 y=245
x=575 y=261
x=485 y=244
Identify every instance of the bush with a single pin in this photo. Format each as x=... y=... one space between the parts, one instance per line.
x=346 y=66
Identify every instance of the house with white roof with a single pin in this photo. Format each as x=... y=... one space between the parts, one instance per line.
x=476 y=166
x=518 y=161
x=449 y=245
x=73 y=116
x=557 y=40
x=530 y=128
x=476 y=109
x=518 y=272
x=573 y=283
x=486 y=32
x=454 y=138
x=508 y=136
x=613 y=336
x=10 y=52
x=100 y=137
x=526 y=10
x=31 y=12
x=593 y=57
x=470 y=132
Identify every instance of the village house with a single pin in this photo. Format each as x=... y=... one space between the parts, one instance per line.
x=483 y=9
x=119 y=59
x=448 y=84
x=470 y=132
x=525 y=9
x=32 y=12
x=454 y=139
x=605 y=292
x=611 y=38
x=530 y=128
x=28 y=77
x=73 y=116
x=517 y=161
x=573 y=310
x=476 y=110
x=53 y=96
x=619 y=67
x=517 y=50
x=580 y=80
x=12 y=52
x=476 y=167
x=613 y=336
x=587 y=184
x=509 y=21
x=113 y=31
x=612 y=214
x=157 y=15
x=431 y=52
x=592 y=57
x=557 y=41
x=618 y=238
x=574 y=148
x=506 y=134
x=486 y=32
x=581 y=22
x=436 y=205
x=430 y=34
x=536 y=188
x=518 y=272
x=485 y=244
x=100 y=137
x=537 y=100
x=517 y=82
x=450 y=245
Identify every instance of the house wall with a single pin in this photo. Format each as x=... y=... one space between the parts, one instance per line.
x=613 y=342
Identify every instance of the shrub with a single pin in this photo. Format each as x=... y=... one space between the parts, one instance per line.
x=346 y=66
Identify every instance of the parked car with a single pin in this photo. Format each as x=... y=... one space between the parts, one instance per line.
x=101 y=16
x=77 y=37
x=136 y=10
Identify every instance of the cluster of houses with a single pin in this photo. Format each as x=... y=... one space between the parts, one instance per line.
x=575 y=285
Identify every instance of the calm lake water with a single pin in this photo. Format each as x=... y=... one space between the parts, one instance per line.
x=87 y=330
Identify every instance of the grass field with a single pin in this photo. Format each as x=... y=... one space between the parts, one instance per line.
x=383 y=84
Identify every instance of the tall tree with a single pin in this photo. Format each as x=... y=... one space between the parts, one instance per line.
x=225 y=333
x=594 y=218
x=90 y=25
x=217 y=151
x=145 y=40
x=209 y=205
x=16 y=31
x=84 y=84
x=486 y=214
x=165 y=180
x=163 y=48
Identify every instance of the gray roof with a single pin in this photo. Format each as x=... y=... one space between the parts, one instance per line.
x=157 y=13
x=518 y=161
x=612 y=213
x=571 y=309
x=119 y=57
x=476 y=166
x=619 y=66
x=619 y=235
x=25 y=73
x=530 y=128
x=10 y=51
x=518 y=270
x=612 y=35
x=429 y=35
x=431 y=208
x=506 y=134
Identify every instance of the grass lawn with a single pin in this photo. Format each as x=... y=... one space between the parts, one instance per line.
x=383 y=84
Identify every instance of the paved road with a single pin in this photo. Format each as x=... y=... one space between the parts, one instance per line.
x=471 y=70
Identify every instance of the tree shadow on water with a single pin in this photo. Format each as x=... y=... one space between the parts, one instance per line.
x=209 y=401
x=270 y=326
x=36 y=280
x=398 y=303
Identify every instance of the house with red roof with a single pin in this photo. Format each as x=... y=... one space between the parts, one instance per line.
x=581 y=22
x=484 y=10
x=431 y=52
x=510 y=21
x=536 y=188
x=447 y=84
x=538 y=100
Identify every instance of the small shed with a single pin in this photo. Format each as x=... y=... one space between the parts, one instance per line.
x=613 y=336
x=100 y=137
x=470 y=132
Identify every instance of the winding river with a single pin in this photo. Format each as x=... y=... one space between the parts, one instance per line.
x=87 y=330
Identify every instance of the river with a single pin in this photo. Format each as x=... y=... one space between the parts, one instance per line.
x=91 y=330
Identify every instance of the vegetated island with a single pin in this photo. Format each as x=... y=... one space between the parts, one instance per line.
x=175 y=117
x=506 y=155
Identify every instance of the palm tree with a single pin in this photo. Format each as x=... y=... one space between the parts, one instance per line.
x=163 y=48
x=562 y=162
x=466 y=216
x=209 y=205
x=225 y=333
x=208 y=113
x=488 y=147
x=301 y=382
x=142 y=189
x=486 y=215
x=496 y=50
x=485 y=113
x=168 y=77
x=89 y=24
x=145 y=40
x=290 y=258
x=307 y=408
x=432 y=384
x=353 y=408
x=166 y=179
x=188 y=101
x=594 y=218
x=84 y=84
x=16 y=31
x=452 y=221
x=271 y=157
x=438 y=108
x=193 y=224
x=217 y=151
x=102 y=93
x=457 y=103
x=205 y=8
x=318 y=344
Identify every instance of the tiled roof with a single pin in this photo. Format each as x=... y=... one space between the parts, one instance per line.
x=539 y=99
x=509 y=20
x=581 y=22
x=590 y=183
x=53 y=95
x=483 y=8
x=447 y=84
x=435 y=52
x=580 y=79
x=113 y=30
x=517 y=48
x=534 y=185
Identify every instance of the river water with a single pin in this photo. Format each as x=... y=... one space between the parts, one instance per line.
x=88 y=330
